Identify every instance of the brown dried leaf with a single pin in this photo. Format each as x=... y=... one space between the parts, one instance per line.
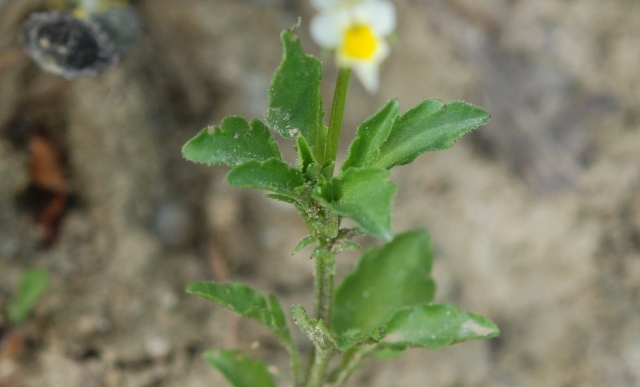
x=46 y=167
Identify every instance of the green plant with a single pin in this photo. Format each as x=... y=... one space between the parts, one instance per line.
x=33 y=284
x=385 y=305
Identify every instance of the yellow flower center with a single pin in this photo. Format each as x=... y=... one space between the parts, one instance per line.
x=359 y=42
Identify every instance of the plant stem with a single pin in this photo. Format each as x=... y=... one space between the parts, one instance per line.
x=323 y=297
x=353 y=359
x=323 y=287
x=319 y=368
x=337 y=110
x=296 y=364
x=325 y=262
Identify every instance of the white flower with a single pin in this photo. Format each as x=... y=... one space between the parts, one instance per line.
x=356 y=29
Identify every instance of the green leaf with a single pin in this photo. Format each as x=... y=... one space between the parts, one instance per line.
x=429 y=126
x=435 y=326
x=272 y=175
x=283 y=198
x=362 y=194
x=323 y=339
x=33 y=284
x=295 y=104
x=387 y=279
x=315 y=329
x=239 y=369
x=305 y=156
x=233 y=144
x=348 y=246
x=278 y=320
x=371 y=134
x=304 y=242
x=247 y=302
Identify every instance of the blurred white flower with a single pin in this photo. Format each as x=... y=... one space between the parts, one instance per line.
x=356 y=30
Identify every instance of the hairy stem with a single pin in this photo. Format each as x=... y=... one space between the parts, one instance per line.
x=325 y=262
x=319 y=368
x=296 y=364
x=323 y=286
x=323 y=297
x=353 y=359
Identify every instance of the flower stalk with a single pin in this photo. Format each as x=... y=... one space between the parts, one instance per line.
x=337 y=112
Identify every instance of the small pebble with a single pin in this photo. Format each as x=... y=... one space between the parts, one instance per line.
x=169 y=300
x=173 y=223
x=157 y=346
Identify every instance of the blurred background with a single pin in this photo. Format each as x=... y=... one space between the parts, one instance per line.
x=535 y=218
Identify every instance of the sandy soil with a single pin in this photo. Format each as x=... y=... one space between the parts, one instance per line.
x=535 y=218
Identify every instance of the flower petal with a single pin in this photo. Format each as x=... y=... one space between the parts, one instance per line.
x=327 y=28
x=368 y=73
x=380 y=15
x=322 y=5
